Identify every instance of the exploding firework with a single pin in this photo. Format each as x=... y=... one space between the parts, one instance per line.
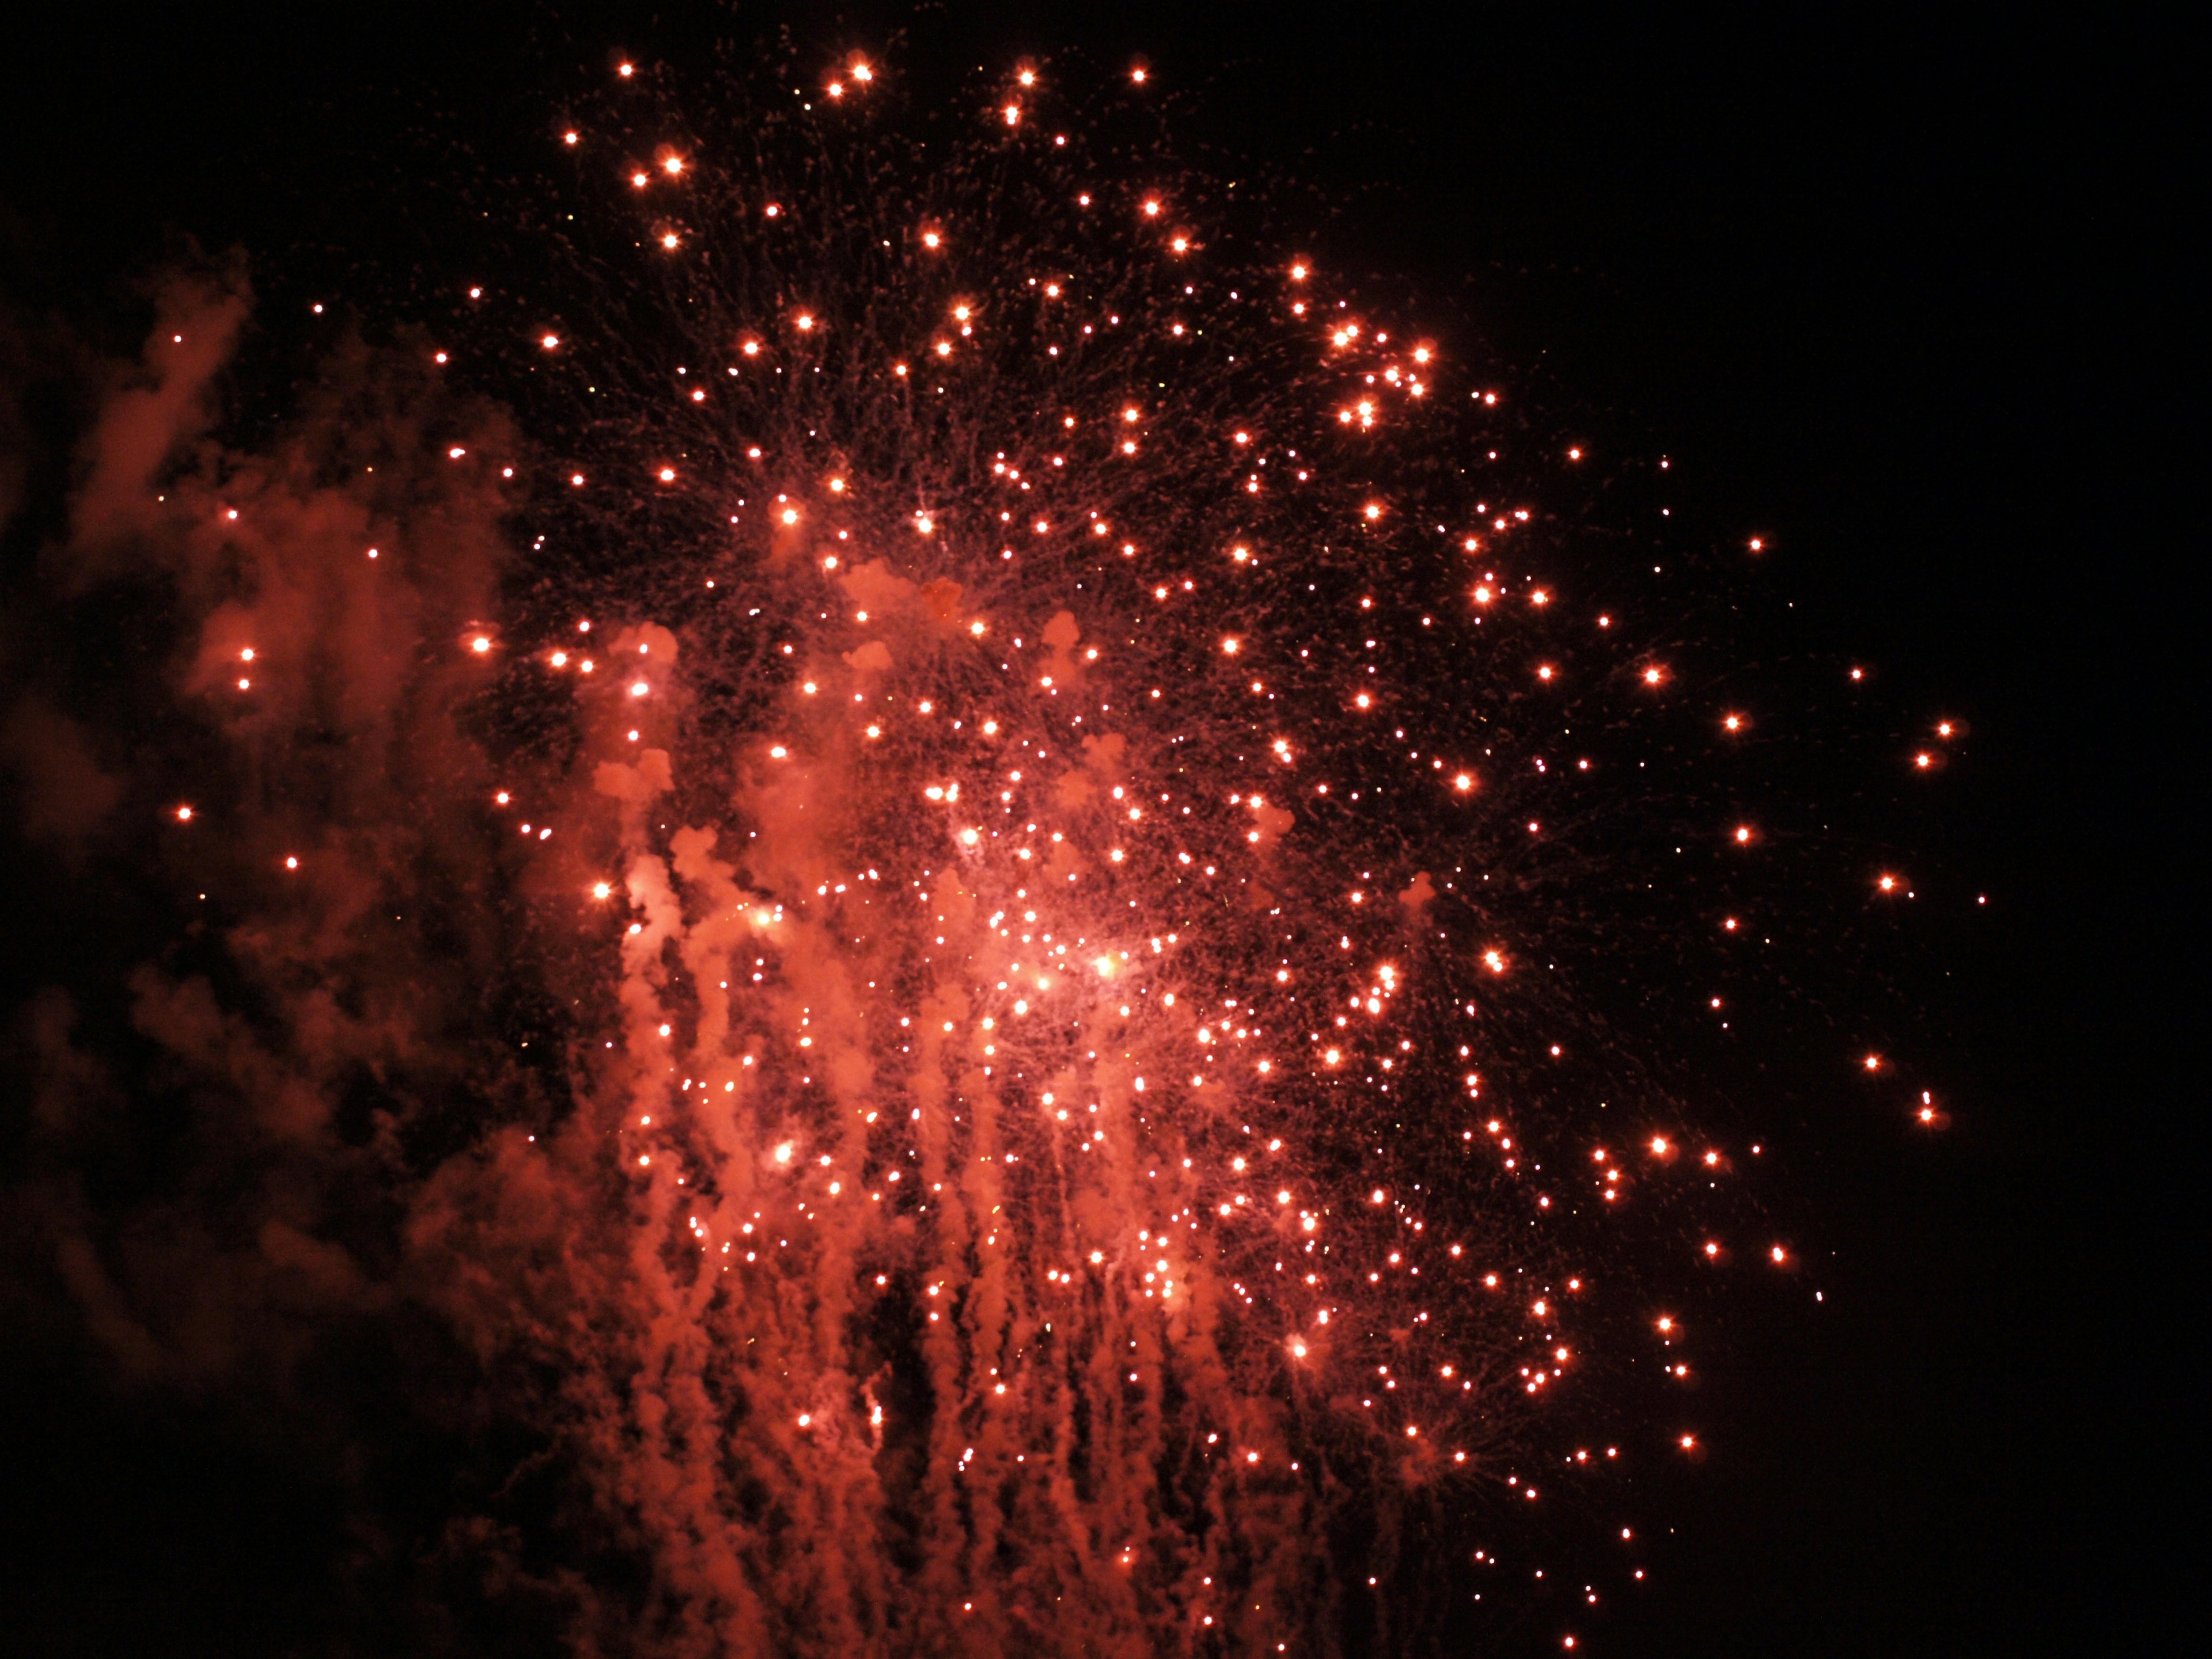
x=988 y=913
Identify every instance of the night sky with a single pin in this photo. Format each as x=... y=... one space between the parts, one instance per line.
x=1905 y=296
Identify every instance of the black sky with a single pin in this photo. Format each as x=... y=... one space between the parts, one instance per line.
x=1905 y=295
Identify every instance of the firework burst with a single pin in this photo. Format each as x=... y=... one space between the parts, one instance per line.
x=1044 y=914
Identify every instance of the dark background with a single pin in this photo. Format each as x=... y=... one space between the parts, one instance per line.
x=1905 y=295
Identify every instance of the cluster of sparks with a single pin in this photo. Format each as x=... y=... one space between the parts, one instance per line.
x=1082 y=755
